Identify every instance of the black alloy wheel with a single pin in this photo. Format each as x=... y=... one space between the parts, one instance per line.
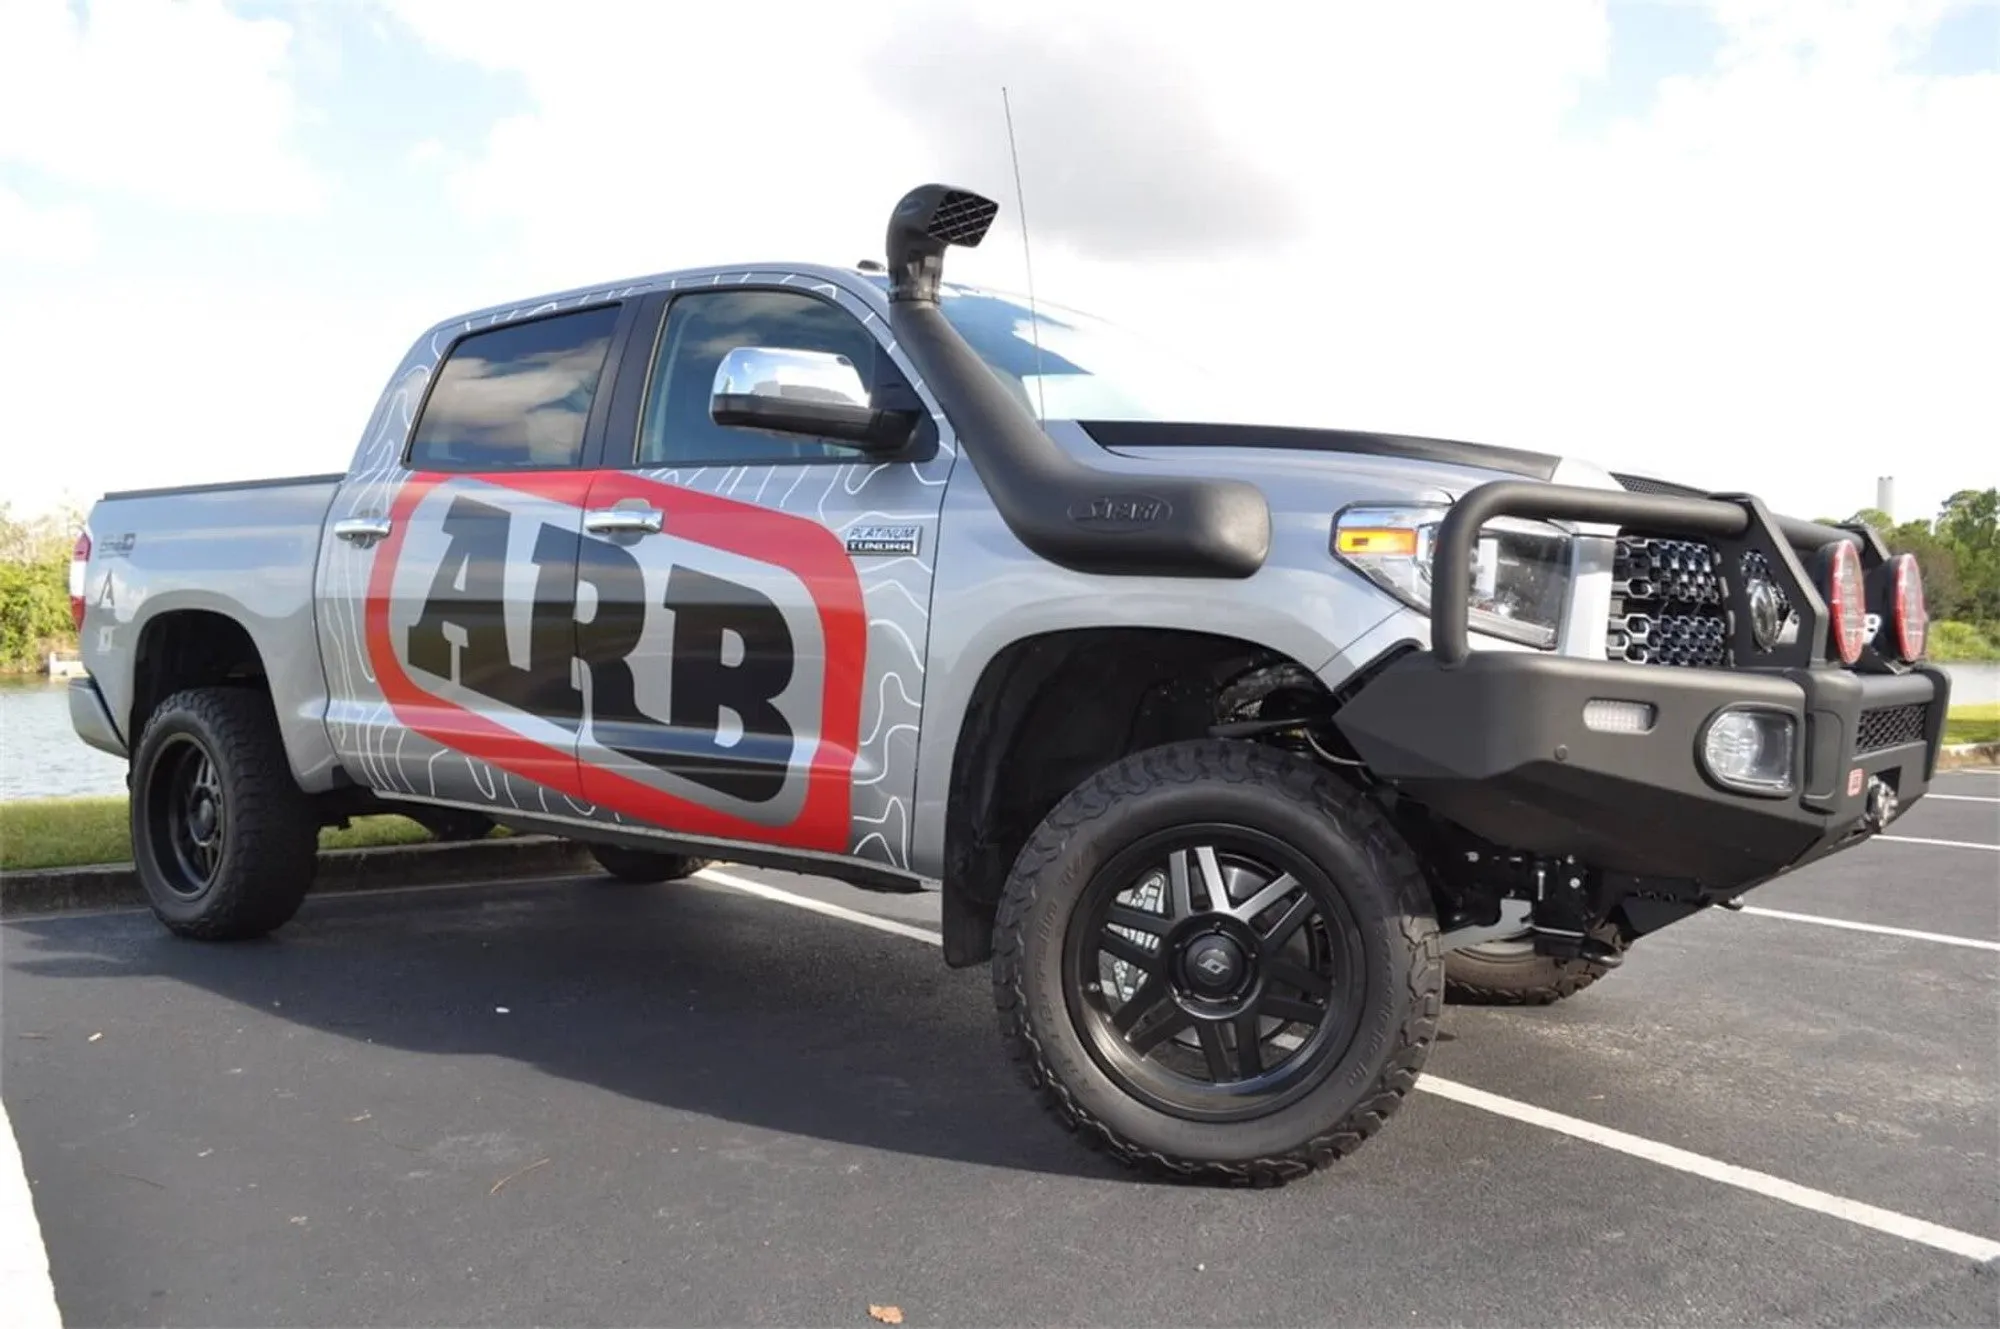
x=185 y=817
x=1214 y=972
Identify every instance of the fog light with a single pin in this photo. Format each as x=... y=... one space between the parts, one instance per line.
x=1750 y=750
x=1617 y=717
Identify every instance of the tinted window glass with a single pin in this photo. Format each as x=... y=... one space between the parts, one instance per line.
x=516 y=396
x=701 y=328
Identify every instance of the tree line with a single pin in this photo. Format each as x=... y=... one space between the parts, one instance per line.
x=34 y=587
x=1959 y=551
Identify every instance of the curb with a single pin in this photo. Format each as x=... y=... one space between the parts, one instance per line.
x=1957 y=756
x=109 y=885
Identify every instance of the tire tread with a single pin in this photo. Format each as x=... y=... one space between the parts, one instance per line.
x=1353 y=816
x=1541 y=984
x=273 y=852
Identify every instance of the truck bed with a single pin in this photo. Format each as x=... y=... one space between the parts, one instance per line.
x=191 y=567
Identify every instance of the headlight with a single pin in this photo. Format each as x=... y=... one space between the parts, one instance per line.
x=1520 y=569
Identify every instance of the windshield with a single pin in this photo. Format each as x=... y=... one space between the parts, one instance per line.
x=1083 y=367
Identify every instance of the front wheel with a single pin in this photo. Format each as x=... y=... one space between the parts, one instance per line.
x=224 y=840
x=1510 y=973
x=1218 y=961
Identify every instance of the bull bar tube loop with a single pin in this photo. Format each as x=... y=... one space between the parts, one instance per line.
x=1451 y=571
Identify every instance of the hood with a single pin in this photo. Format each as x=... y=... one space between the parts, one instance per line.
x=1121 y=436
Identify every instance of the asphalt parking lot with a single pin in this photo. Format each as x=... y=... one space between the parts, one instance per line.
x=585 y=1103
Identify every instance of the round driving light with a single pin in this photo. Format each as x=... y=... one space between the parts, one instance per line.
x=1907 y=610
x=1750 y=750
x=1846 y=603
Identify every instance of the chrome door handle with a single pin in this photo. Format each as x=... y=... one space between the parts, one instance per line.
x=613 y=521
x=363 y=531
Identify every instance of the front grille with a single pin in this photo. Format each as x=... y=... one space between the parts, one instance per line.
x=1892 y=727
x=1666 y=604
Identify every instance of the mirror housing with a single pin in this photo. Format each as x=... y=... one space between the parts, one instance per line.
x=816 y=393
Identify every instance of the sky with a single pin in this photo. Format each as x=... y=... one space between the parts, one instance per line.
x=1745 y=244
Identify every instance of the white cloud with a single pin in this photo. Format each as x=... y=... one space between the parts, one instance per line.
x=1778 y=279
x=64 y=234
x=207 y=383
x=181 y=104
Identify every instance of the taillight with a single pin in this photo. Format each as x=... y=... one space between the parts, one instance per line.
x=1846 y=604
x=1907 y=611
x=79 y=564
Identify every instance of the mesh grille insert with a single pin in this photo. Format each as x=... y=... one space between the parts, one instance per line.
x=1666 y=604
x=962 y=218
x=1892 y=727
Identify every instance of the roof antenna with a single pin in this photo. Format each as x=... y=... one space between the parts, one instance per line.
x=1027 y=257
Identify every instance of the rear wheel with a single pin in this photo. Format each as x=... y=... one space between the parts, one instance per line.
x=643 y=865
x=1218 y=961
x=224 y=840
x=1510 y=973
x=451 y=825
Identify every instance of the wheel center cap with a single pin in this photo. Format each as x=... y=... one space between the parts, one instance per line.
x=1214 y=965
x=204 y=817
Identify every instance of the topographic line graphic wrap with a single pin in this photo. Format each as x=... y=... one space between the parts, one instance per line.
x=883 y=679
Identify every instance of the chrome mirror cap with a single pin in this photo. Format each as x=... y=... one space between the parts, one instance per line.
x=777 y=373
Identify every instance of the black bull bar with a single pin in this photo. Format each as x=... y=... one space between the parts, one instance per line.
x=1496 y=740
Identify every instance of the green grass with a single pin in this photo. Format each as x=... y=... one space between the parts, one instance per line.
x=1973 y=724
x=72 y=832
x=1962 y=643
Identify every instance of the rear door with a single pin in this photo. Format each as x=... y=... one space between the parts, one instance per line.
x=755 y=605
x=448 y=577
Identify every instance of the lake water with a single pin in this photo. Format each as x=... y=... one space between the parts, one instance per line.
x=41 y=756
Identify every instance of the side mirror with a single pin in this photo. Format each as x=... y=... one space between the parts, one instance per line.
x=804 y=392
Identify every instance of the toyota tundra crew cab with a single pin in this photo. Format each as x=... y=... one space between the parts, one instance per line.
x=1233 y=750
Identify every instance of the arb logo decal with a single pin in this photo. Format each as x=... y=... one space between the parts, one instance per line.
x=704 y=678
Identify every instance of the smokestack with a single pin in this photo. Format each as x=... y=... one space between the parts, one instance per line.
x=1885 y=495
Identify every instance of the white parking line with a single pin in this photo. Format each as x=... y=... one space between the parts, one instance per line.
x=806 y=902
x=24 y=1260
x=1887 y=1221
x=1942 y=938
x=1942 y=844
x=1963 y=798
x=1762 y=1183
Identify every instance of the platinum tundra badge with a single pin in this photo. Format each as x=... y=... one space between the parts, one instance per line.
x=884 y=539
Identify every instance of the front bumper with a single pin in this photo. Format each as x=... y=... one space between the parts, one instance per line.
x=1499 y=746
x=1497 y=743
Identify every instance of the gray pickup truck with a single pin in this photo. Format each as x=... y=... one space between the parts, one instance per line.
x=1234 y=749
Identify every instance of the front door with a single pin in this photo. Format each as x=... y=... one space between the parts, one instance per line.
x=753 y=607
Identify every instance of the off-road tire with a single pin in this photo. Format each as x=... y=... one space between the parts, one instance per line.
x=1508 y=976
x=644 y=865
x=1280 y=795
x=269 y=828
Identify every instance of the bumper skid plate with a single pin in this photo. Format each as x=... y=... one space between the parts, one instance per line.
x=1499 y=745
